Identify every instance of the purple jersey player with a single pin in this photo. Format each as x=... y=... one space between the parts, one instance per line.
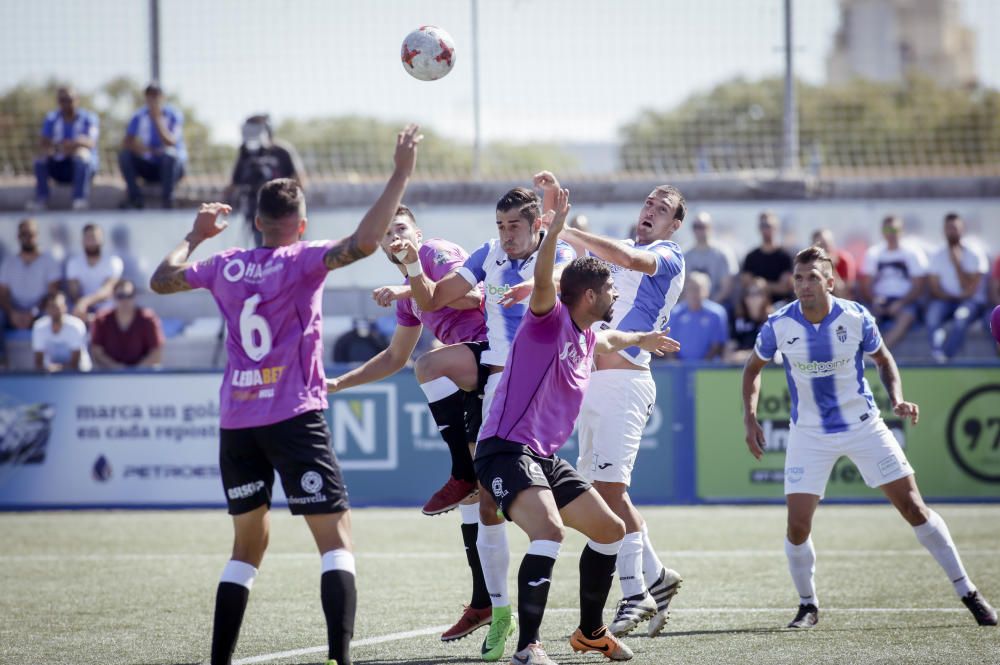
x=273 y=391
x=532 y=415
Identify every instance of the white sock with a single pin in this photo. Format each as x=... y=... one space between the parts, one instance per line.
x=629 y=565
x=494 y=556
x=469 y=513
x=239 y=572
x=339 y=559
x=934 y=535
x=802 y=566
x=651 y=564
x=439 y=388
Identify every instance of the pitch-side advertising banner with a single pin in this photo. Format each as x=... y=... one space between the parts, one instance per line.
x=954 y=449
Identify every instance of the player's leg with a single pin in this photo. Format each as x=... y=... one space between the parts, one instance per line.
x=443 y=375
x=494 y=557
x=338 y=589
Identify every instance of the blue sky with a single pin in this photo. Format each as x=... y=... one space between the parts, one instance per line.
x=551 y=69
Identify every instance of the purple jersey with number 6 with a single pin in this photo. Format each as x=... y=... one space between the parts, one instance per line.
x=270 y=298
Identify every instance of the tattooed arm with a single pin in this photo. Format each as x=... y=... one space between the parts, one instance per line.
x=365 y=240
x=170 y=274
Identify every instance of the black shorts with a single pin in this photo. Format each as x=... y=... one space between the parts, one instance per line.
x=505 y=468
x=474 y=400
x=299 y=450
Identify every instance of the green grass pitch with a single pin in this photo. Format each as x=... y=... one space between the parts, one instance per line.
x=138 y=588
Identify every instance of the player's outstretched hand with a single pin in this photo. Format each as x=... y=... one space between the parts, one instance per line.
x=386 y=295
x=561 y=209
x=907 y=410
x=657 y=342
x=406 y=148
x=755 y=437
x=404 y=251
x=332 y=386
x=210 y=220
x=517 y=293
x=545 y=180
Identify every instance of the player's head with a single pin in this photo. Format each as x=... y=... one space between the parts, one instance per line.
x=812 y=276
x=892 y=229
x=281 y=212
x=93 y=240
x=519 y=222
x=586 y=287
x=954 y=228
x=402 y=227
x=661 y=215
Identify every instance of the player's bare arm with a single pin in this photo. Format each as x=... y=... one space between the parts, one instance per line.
x=751 y=392
x=169 y=276
x=613 y=251
x=385 y=363
x=543 y=296
x=429 y=295
x=655 y=341
x=888 y=373
x=365 y=240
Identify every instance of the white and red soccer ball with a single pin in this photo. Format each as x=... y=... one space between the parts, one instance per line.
x=428 y=53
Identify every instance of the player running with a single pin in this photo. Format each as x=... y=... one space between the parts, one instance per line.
x=462 y=325
x=537 y=401
x=823 y=340
x=273 y=393
x=649 y=276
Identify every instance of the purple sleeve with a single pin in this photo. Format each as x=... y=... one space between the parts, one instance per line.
x=201 y=275
x=442 y=258
x=312 y=259
x=545 y=327
x=404 y=314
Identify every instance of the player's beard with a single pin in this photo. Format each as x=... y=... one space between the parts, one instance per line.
x=609 y=313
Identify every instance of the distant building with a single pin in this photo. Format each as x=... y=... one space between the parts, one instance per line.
x=887 y=40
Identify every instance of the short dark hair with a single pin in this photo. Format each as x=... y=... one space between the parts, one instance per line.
x=525 y=201
x=403 y=211
x=586 y=272
x=279 y=198
x=814 y=254
x=889 y=219
x=124 y=284
x=951 y=217
x=153 y=89
x=90 y=226
x=680 y=205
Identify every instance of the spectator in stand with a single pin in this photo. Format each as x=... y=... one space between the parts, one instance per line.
x=261 y=158
x=751 y=312
x=893 y=278
x=26 y=278
x=67 y=151
x=699 y=324
x=771 y=261
x=59 y=340
x=714 y=260
x=91 y=277
x=360 y=344
x=845 y=268
x=126 y=335
x=153 y=149
x=957 y=297
x=582 y=223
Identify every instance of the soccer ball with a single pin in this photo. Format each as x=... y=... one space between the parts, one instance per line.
x=428 y=53
x=995 y=323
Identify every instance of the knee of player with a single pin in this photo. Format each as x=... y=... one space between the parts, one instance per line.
x=914 y=510
x=554 y=532
x=427 y=368
x=798 y=530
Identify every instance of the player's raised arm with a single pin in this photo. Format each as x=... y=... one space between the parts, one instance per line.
x=654 y=341
x=429 y=295
x=365 y=240
x=543 y=296
x=169 y=276
x=613 y=251
x=751 y=392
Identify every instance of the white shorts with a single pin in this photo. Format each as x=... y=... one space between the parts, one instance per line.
x=872 y=448
x=615 y=409
x=489 y=390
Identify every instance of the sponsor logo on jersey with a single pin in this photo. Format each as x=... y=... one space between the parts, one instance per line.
x=245 y=491
x=237 y=269
x=571 y=352
x=251 y=378
x=818 y=368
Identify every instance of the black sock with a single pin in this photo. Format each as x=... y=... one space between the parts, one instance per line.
x=340 y=603
x=449 y=413
x=596 y=575
x=480 y=596
x=230 y=603
x=533 y=582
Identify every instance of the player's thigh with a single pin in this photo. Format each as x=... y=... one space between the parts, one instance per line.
x=331 y=531
x=455 y=361
x=809 y=459
x=877 y=454
x=247 y=473
x=507 y=474
x=534 y=510
x=591 y=516
x=611 y=423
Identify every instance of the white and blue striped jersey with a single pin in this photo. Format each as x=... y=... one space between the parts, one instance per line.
x=498 y=272
x=824 y=363
x=644 y=301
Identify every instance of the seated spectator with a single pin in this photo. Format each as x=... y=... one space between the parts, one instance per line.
x=955 y=276
x=359 y=344
x=126 y=335
x=771 y=261
x=91 y=277
x=26 y=278
x=893 y=277
x=845 y=268
x=153 y=149
x=261 y=158
x=59 y=340
x=714 y=260
x=751 y=312
x=67 y=151
x=700 y=325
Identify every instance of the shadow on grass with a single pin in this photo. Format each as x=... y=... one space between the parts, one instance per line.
x=407 y=661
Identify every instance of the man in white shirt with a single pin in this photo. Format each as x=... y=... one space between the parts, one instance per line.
x=955 y=277
x=91 y=277
x=59 y=340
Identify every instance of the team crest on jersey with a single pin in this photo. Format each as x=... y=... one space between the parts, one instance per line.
x=842 y=334
x=440 y=259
